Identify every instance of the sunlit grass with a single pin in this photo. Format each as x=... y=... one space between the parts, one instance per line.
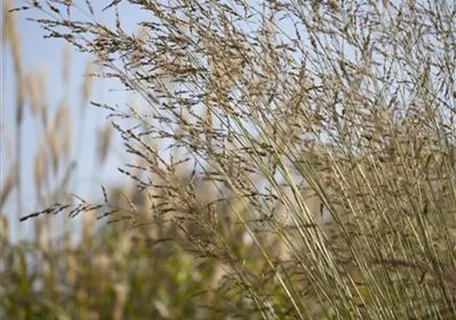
x=305 y=151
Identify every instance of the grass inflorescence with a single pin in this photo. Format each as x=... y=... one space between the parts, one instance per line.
x=303 y=149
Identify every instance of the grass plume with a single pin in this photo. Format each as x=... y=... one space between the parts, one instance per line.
x=354 y=101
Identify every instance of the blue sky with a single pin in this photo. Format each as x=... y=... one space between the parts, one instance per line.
x=37 y=54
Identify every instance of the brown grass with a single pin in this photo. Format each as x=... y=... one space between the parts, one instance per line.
x=352 y=100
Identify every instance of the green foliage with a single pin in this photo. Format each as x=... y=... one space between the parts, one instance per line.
x=108 y=280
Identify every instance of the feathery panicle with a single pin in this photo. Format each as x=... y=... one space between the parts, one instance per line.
x=40 y=168
x=42 y=85
x=11 y=36
x=87 y=85
x=32 y=84
x=104 y=142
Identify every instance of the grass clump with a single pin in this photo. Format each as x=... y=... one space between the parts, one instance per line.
x=323 y=131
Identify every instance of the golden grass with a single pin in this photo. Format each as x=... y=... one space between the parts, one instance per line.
x=317 y=141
